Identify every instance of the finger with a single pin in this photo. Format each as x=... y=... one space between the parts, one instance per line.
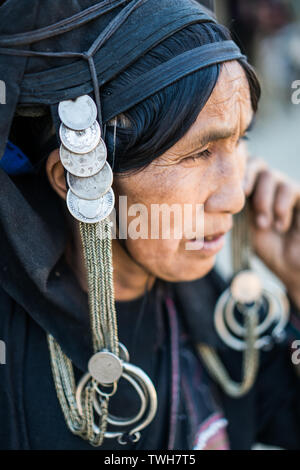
x=254 y=167
x=284 y=205
x=296 y=219
x=263 y=199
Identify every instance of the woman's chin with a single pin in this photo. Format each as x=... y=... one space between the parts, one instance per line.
x=192 y=271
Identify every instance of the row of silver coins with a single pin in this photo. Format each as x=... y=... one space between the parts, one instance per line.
x=83 y=154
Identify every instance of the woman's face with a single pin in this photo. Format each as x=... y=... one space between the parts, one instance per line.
x=205 y=167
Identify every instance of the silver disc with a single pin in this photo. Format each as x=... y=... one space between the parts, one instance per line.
x=94 y=187
x=91 y=212
x=246 y=287
x=78 y=114
x=80 y=141
x=105 y=367
x=85 y=165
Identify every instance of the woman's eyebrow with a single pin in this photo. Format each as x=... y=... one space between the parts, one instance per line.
x=214 y=135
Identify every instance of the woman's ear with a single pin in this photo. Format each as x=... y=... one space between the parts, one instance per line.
x=56 y=174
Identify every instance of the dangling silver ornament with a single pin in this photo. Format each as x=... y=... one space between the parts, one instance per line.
x=91 y=212
x=93 y=187
x=84 y=165
x=80 y=141
x=78 y=114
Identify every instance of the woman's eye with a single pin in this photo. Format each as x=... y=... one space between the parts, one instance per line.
x=204 y=155
x=244 y=137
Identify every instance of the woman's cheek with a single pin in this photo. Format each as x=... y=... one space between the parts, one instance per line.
x=156 y=256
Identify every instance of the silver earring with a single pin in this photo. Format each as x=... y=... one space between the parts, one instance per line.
x=83 y=154
x=90 y=200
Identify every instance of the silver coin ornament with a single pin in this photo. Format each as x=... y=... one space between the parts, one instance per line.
x=91 y=212
x=78 y=114
x=80 y=141
x=105 y=367
x=84 y=165
x=246 y=287
x=83 y=154
x=93 y=187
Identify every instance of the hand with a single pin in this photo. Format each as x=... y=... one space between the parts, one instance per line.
x=275 y=222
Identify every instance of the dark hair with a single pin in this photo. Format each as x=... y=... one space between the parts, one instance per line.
x=157 y=123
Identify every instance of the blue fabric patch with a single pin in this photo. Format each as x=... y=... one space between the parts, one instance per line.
x=14 y=161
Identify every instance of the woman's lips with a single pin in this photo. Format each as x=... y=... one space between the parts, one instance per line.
x=210 y=245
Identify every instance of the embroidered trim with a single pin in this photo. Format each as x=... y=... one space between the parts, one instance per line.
x=212 y=434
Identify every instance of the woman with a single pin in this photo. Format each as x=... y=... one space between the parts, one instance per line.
x=182 y=144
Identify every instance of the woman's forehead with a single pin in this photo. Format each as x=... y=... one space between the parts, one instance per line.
x=227 y=112
x=232 y=85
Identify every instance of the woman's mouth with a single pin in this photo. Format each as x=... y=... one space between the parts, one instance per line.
x=210 y=245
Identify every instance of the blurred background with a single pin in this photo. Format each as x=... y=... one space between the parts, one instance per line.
x=268 y=31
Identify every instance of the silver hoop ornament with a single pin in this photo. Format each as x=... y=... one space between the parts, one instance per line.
x=246 y=294
x=142 y=382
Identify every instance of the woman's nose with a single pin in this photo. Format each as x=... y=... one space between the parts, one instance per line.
x=227 y=194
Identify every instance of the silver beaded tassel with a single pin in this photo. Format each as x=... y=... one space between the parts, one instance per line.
x=90 y=200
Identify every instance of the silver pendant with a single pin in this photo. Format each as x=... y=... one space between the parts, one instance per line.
x=91 y=212
x=78 y=114
x=93 y=187
x=248 y=296
x=144 y=388
x=80 y=141
x=246 y=287
x=84 y=165
x=105 y=367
